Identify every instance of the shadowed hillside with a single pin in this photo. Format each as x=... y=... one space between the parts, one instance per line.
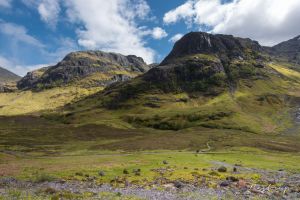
x=212 y=81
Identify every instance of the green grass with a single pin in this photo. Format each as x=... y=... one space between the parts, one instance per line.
x=182 y=164
x=26 y=102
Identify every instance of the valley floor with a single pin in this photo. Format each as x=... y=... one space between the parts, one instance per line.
x=42 y=159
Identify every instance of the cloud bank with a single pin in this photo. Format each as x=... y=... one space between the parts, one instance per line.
x=267 y=21
x=5 y=3
x=115 y=28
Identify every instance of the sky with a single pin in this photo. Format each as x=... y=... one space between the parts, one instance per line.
x=38 y=33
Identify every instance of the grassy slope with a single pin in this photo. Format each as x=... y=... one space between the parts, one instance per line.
x=34 y=102
x=257 y=106
x=30 y=152
x=28 y=102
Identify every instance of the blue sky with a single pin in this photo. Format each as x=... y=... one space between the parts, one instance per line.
x=36 y=33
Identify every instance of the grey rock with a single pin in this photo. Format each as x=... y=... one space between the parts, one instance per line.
x=101 y=173
x=225 y=46
x=222 y=169
x=78 y=65
x=225 y=183
x=178 y=184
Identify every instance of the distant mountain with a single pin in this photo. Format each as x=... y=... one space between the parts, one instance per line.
x=7 y=76
x=288 y=50
x=8 y=80
x=87 y=69
x=211 y=81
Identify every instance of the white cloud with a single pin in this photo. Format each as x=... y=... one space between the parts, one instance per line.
x=18 y=33
x=21 y=70
x=5 y=3
x=4 y=62
x=48 y=10
x=185 y=12
x=268 y=21
x=156 y=33
x=176 y=37
x=111 y=25
x=159 y=33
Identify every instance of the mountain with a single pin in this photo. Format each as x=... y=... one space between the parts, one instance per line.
x=288 y=50
x=212 y=81
x=7 y=80
x=200 y=64
x=7 y=76
x=86 y=68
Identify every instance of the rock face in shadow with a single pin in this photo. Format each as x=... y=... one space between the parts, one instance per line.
x=226 y=47
x=199 y=64
x=78 y=65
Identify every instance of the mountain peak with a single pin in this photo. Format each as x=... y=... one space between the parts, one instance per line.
x=225 y=46
x=7 y=76
x=288 y=50
x=106 y=67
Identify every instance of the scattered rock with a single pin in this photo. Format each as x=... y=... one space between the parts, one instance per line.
x=232 y=179
x=271 y=182
x=50 y=190
x=101 y=173
x=256 y=191
x=222 y=169
x=136 y=170
x=137 y=173
x=165 y=162
x=178 y=184
x=234 y=169
x=78 y=174
x=225 y=184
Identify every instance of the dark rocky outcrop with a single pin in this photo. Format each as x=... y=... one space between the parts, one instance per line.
x=31 y=79
x=226 y=47
x=78 y=65
x=199 y=64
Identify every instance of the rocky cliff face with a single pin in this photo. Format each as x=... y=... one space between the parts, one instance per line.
x=226 y=47
x=199 y=64
x=211 y=81
x=79 y=65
